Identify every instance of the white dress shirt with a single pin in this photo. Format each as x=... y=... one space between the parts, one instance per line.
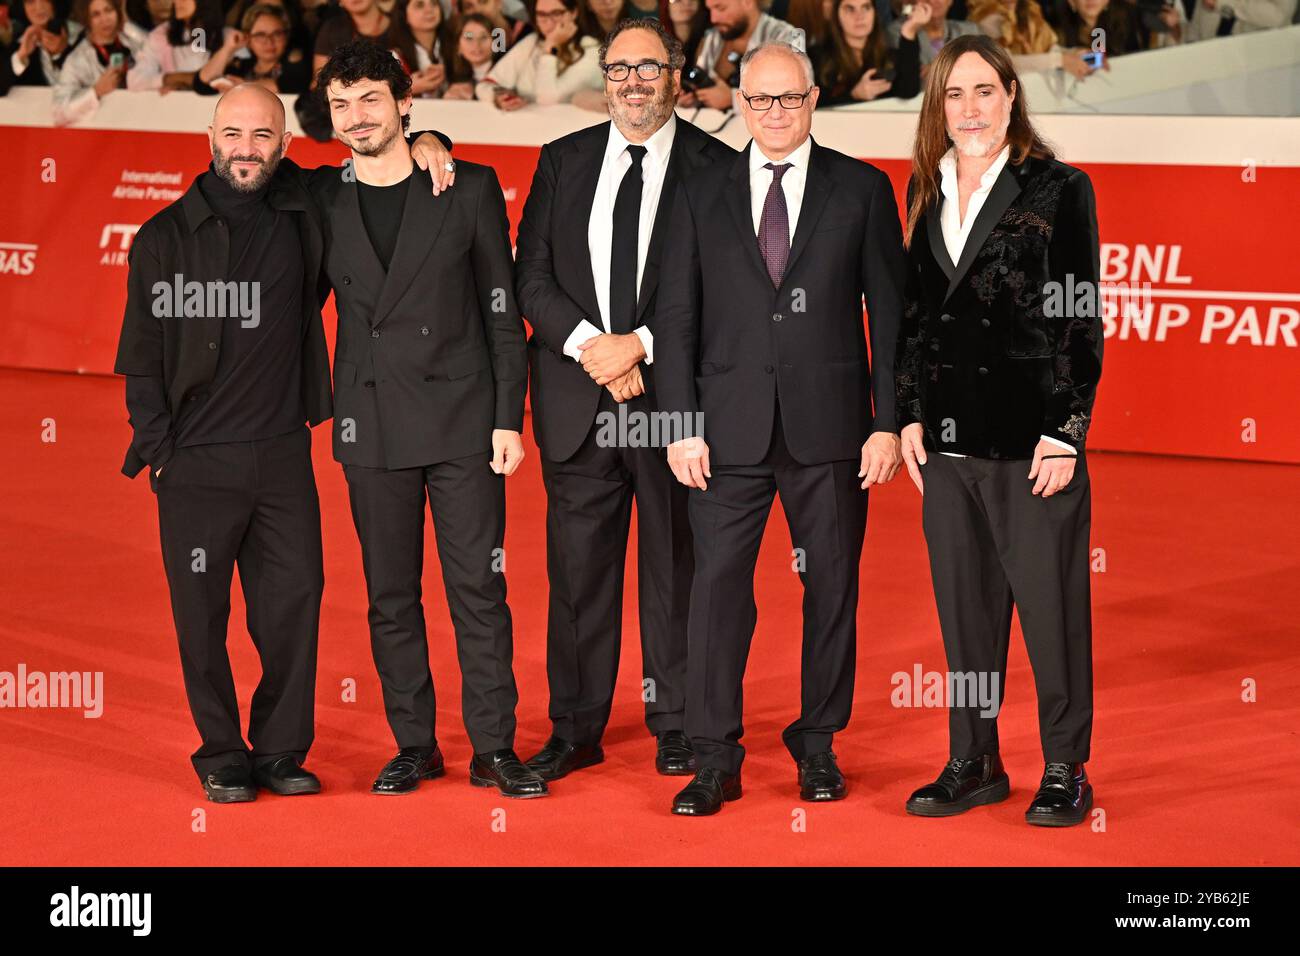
x=600 y=225
x=792 y=181
x=956 y=230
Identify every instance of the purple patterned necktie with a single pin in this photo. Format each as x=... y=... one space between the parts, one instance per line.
x=774 y=227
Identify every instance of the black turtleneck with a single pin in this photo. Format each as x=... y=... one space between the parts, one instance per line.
x=256 y=392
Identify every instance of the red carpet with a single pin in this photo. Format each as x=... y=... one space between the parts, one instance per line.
x=1198 y=596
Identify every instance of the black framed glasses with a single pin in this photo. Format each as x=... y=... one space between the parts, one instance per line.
x=762 y=102
x=647 y=70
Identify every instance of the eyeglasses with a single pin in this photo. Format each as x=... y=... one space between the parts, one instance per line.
x=789 y=101
x=648 y=70
x=549 y=15
x=273 y=35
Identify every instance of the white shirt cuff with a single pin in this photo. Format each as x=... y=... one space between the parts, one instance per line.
x=647 y=342
x=16 y=63
x=1060 y=444
x=583 y=331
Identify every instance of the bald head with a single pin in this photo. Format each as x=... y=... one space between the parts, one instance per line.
x=248 y=136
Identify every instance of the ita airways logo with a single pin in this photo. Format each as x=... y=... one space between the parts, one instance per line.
x=114 y=241
x=17 y=258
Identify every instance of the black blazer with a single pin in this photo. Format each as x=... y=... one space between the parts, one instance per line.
x=186 y=238
x=726 y=342
x=981 y=363
x=554 y=280
x=429 y=357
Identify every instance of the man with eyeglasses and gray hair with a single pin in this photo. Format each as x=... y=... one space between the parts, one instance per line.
x=759 y=329
x=593 y=233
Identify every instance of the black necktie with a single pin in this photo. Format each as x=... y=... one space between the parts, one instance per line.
x=622 y=253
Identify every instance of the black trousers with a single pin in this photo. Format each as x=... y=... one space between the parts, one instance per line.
x=993 y=545
x=468 y=504
x=826 y=510
x=253 y=504
x=588 y=514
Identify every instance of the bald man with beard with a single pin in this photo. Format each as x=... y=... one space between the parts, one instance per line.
x=223 y=349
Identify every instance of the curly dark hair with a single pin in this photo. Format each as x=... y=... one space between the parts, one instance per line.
x=366 y=59
x=672 y=45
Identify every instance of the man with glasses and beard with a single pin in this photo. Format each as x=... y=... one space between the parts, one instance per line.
x=588 y=262
x=224 y=355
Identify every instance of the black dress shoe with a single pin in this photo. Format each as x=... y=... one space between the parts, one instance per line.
x=820 y=778
x=705 y=794
x=233 y=784
x=675 y=756
x=286 y=778
x=505 y=771
x=1064 y=797
x=559 y=758
x=404 y=772
x=962 y=784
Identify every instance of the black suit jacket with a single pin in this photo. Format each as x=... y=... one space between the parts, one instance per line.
x=554 y=279
x=727 y=343
x=186 y=238
x=430 y=355
x=987 y=361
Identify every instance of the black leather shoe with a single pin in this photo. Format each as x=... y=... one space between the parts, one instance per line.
x=820 y=778
x=286 y=778
x=505 y=771
x=705 y=794
x=559 y=758
x=1064 y=797
x=675 y=756
x=404 y=772
x=233 y=784
x=962 y=784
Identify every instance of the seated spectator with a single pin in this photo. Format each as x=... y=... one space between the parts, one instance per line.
x=98 y=64
x=1020 y=29
x=737 y=25
x=557 y=63
x=1117 y=20
x=43 y=36
x=1211 y=18
x=856 y=65
x=599 y=16
x=261 y=53
x=472 y=57
x=421 y=38
x=937 y=31
x=687 y=20
x=300 y=35
x=176 y=49
x=514 y=28
x=357 y=18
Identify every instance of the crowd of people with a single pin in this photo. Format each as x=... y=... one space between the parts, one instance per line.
x=511 y=53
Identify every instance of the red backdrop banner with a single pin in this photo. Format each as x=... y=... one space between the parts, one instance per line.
x=1202 y=314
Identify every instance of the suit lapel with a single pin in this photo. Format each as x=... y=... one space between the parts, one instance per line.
x=583 y=172
x=1005 y=189
x=815 y=192
x=738 y=202
x=683 y=155
x=934 y=233
x=351 y=233
x=421 y=222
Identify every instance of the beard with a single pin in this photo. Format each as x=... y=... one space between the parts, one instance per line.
x=983 y=143
x=376 y=146
x=653 y=112
x=732 y=31
x=243 y=180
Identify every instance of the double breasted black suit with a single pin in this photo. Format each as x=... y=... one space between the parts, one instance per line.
x=430 y=354
x=1000 y=349
x=590 y=487
x=782 y=376
x=429 y=360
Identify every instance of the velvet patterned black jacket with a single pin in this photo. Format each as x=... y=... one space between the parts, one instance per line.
x=1005 y=346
